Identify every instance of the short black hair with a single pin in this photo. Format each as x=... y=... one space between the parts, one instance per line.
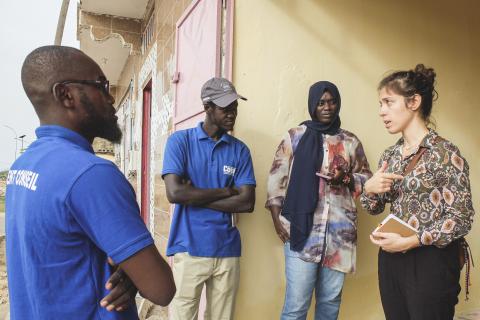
x=43 y=67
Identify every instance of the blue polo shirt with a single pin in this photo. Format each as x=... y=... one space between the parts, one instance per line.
x=66 y=211
x=193 y=155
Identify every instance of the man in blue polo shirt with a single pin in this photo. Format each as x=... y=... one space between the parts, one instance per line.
x=208 y=175
x=67 y=210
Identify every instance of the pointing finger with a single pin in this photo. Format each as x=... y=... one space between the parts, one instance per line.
x=393 y=176
x=384 y=167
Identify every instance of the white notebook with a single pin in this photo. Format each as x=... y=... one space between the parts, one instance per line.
x=393 y=224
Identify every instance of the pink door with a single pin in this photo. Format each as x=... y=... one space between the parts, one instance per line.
x=198 y=38
x=145 y=185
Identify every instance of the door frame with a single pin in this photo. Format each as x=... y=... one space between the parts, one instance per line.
x=145 y=165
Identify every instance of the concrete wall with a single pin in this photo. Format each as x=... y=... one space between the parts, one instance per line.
x=167 y=13
x=103 y=25
x=156 y=64
x=281 y=47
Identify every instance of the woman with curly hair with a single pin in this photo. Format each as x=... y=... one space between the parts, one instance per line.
x=426 y=181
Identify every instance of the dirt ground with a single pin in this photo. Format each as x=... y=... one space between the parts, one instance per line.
x=3 y=280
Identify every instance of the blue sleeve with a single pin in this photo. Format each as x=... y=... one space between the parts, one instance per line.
x=175 y=155
x=103 y=203
x=244 y=175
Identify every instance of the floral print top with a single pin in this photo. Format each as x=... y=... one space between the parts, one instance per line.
x=435 y=197
x=333 y=238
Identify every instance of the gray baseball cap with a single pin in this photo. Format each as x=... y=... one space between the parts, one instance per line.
x=219 y=91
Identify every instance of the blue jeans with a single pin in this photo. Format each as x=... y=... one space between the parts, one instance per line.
x=302 y=278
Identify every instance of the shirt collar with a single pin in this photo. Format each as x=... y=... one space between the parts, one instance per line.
x=427 y=141
x=202 y=135
x=67 y=134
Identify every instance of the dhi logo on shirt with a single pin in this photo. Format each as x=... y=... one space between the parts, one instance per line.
x=229 y=170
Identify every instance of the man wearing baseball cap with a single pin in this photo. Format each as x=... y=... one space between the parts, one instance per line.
x=220 y=91
x=208 y=175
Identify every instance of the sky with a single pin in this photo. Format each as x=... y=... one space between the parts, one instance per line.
x=25 y=25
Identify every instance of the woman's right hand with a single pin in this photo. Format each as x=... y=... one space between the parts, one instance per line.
x=381 y=181
x=279 y=229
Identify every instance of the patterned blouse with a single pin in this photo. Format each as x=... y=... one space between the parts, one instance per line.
x=435 y=197
x=333 y=238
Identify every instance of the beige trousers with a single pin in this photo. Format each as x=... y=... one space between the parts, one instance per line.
x=220 y=277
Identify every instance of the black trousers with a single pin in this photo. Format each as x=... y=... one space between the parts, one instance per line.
x=421 y=284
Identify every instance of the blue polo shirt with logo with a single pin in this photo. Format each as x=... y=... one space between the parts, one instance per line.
x=193 y=155
x=67 y=210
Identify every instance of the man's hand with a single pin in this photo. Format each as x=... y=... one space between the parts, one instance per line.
x=122 y=291
x=381 y=181
x=393 y=242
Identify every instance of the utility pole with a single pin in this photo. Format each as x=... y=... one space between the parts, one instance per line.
x=15 y=138
x=21 y=139
x=61 y=22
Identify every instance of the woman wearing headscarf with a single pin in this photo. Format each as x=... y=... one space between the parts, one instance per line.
x=318 y=170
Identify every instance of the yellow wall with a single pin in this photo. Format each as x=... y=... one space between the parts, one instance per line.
x=282 y=46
